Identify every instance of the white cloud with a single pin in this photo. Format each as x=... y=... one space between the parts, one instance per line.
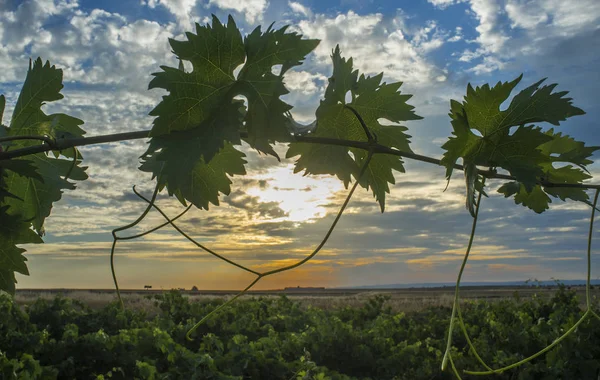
x=305 y=82
x=367 y=36
x=428 y=38
x=543 y=24
x=564 y=18
x=524 y=15
x=488 y=12
x=110 y=57
x=489 y=64
x=443 y=4
x=21 y=27
x=252 y=10
x=573 y=17
x=457 y=35
x=181 y=9
x=106 y=43
x=299 y=8
x=468 y=55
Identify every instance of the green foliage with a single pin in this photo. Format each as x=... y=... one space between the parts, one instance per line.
x=266 y=338
x=233 y=94
x=527 y=153
x=195 y=180
x=201 y=118
x=29 y=186
x=372 y=100
x=14 y=231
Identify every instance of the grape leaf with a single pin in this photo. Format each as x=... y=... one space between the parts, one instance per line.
x=22 y=167
x=528 y=152
x=265 y=120
x=37 y=196
x=214 y=53
x=535 y=199
x=562 y=148
x=566 y=174
x=567 y=149
x=42 y=84
x=14 y=231
x=195 y=180
x=373 y=100
x=187 y=147
x=36 y=193
x=202 y=111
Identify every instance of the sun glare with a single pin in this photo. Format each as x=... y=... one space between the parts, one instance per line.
x=302 y=198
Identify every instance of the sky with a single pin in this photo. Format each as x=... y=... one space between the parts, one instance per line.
x=273 y=217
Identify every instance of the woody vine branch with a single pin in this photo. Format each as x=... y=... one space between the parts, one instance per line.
x=66 y=143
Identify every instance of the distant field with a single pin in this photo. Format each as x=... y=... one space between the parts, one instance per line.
x=411 y=299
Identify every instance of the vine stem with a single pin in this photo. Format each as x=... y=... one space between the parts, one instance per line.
x=263 y=274
x=157 y=227
x=461 y=323
x=540 y=352
x=585 y=315
x=64 y=143
x=192 y=240
x=457 y=288
x=454 y=370
x=330 y=231
x=188 y=335
x=116 y=238
x=588 y=299
x=47 y=140
x=307 y=258
x=371 y=141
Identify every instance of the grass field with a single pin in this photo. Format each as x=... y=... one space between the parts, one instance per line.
x=411 y=299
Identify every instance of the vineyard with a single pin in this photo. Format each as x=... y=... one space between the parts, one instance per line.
x=232 y=95
x=262 y=338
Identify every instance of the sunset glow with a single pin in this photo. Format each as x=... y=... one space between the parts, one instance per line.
x=301 y=197
x=271 y=216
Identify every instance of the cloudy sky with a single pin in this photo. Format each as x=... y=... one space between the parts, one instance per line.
x=272 y=217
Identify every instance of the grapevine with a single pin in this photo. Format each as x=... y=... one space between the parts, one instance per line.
x=192 y=148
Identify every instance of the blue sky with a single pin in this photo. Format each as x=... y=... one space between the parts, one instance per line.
x=272 y=217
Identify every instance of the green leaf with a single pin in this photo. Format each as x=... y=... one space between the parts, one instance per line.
x=195 y=180
x=567 y=149
x=203 y=111
x=14 y=231
x=42 y=84
x=22 y=167
x=39 y=182
x=564 y=193
x=528 y=152
x=265 y=120
x=37 y=196
x=560 y=149
x=538 y=104
x=518 y=153
x=563 y=175
x=214 y=53
x=535 y=199
x=188 y=147
x=373 y=100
